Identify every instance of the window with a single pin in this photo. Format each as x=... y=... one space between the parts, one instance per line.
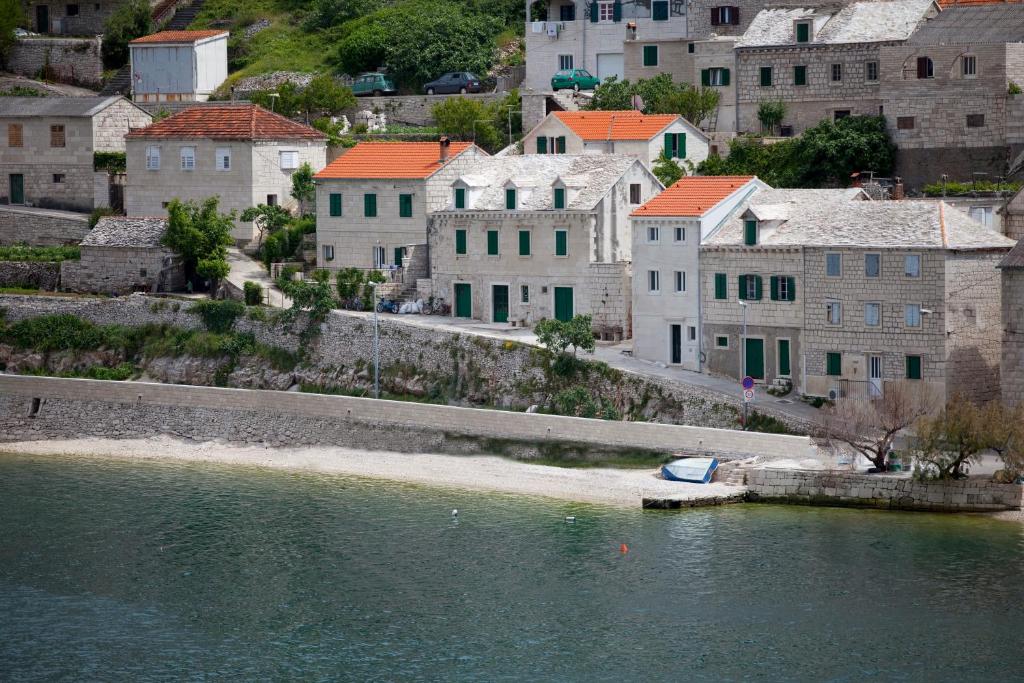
x=834 y=265
x=872 y=314
x=650 y=55
x=840 y=114
x=328 y=252
x=721 y=342
x=271 y=200
x=524 y=293
x=460 y=198
x=634 y=193
x=721 y=286
x=783 y=288
x=833 y=364
x=982 y=214
x=803 y=32
x=567 y=13
x=653 y=234
x=679 y=280
x=71 y=10
x=561 y=242
x=872 y=265
x=188 y=158
x=675 y=145
x=766 y=77
x=913 y=367
x=559 y=197
x=912 y=265
x=691 y=333
x=510 y=199
x=654 y=281
x=975 y=120
x=925 y=68
x=370 y=205
x=152 y=158
x=524 y=242
x=970 y=66
x=691 y=48
x=492 y=242
x=222 y=159
x=834 y=312
x=15 y=135
x=405 y=206
x=606 y=11
x=659 y=10
x=799 y=75
x=871 y=71
x=912 y=315
x=564 y=62
x=727 y=16
x=750 y=287
x=56 y=136
x=460 y=242
x=905 y=122
x=335 y=204
x=58 y=178
x=837 y=73
x=289 y=160
x=714 y=77
x=749 y=232
x=680 y=235
x=559 y=145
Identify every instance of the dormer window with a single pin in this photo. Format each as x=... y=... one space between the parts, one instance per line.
x=750 y=232
x=559 y=197
x=460 y=198
x=510 y=198
x=803 y=31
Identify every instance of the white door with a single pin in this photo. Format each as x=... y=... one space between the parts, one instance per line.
x=379 y=257
x=611 y=65
x=874 y=376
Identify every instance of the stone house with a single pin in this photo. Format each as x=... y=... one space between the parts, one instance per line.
x=375 y=201
x=666 y=233
x=122 y=255
x=524 y=238
x=241 y=153
x=1012 y=214
x=820 y=62
x=48 y=150
x=69 y=18
x=627 y=133
x=1012 y=362
x=178 y=66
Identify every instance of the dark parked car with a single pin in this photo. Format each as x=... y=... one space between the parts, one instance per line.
x=454 y=82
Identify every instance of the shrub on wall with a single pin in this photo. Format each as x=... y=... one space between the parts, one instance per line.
x=219 y=316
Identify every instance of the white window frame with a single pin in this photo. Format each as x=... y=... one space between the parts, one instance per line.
x=188 y=158
x=654 y=282
x=986 y=214
x=969 y=66
x=839 y=260
x=834 y=312
x=679 y=234
x=679 y=281
x=878 y=274
x=289 y=159
x=328 y=252
x=871 y=71
x=725 y=15
x=783 y=288
x=565 y=62
x=912 y=315
x=653 y=234
x=153 y=158
x=750 y=282
x=606 y=11
x=836 y=68
x=877 y=308
x=906 y=265
x=691 y=333
x=223 y=159
x=715 y=76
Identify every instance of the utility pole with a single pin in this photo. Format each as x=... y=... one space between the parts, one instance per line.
x=376 y=345
x=743 y=357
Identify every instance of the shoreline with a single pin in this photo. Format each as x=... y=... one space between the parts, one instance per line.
x=484 y=473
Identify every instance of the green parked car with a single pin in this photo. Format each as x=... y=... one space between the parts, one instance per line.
x=577 y=79
x=374 y=84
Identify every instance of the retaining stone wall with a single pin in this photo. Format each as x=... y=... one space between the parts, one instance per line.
x=843 y=489
x=45 y=276
x=40 y=228
x=413 y=110
x=67 y=60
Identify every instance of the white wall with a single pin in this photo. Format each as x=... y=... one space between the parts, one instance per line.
x=163 y=73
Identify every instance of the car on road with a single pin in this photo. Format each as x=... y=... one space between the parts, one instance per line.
x=453 y=82
x=374 y=84
x=577 y=79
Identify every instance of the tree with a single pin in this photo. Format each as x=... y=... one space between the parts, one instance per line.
x=692 y=103
x=201 y=235
x=1004 y=428
x=831 y=151
x=312 y=296
x=612 y=95
x=558 y=335
x=323 y=97
x=461 y=118
x=268 y=220
x=303 y=188
x=130 y=21
x=11 y=17
x=770 y=113
x=667 y=170
x=870 y=426
x=951 y=440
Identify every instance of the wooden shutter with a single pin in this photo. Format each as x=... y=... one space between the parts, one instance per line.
x=460 y=241
x=524 y=242
x=705 y=77
x=766 y=76
x=335 y=204
x=734 y=18
x=757 y=287
x=659 y=10
x=559 y=197
x=913 y=367
x=681 y=145
x=561 y=245
x=369 y=205
x=460 y=198
x=774 y=288
x=743 y=287
x=593 y=12
x=834 y=364
x=405 y=206
x=617 y=10
x=492 y=242
x=922 y=67
x=560 y=144
x=510 y=199
x=721 y=286
x=670 y=146
x=716 y=16
x=542 y=144
x=725 y=77
x=790 y=289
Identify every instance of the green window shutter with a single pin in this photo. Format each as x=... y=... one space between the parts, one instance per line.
x=561 y=243
x=650 y=55
x=542 y=144
x=725 y=77
x=705 y=77
x=335 y=204
x=834 y=364
x=742 y=288
x=775 y=287
x=913 y=367
x=681 y=145
x=405 y=206
x=617 y=11
x=510 y=199
x=460 y=198
x=524 y=242
x=749 y=233
x=559 y=197
x=721 y=286
x=492 y=242
x=560 y=144
x=593 y=12
x=370 y=205
x=460 y=241
x=803 y=33
x=660 y=10
x=766 y=76
x=799 y=75
x=757 y=287
x=670 y=145
x=790 y=289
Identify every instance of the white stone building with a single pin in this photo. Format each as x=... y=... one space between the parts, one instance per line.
x=374 y=201
x=666 y=233
x=178 y=66
x=628 y=133
x=529 y=237
x=241 y=153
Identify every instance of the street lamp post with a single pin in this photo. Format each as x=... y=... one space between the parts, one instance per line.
x=743 y=356
x=376 y=345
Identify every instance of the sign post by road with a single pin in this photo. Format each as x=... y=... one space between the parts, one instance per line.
x=748 y=396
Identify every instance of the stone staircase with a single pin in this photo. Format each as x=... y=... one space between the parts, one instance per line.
x=184 y=16
x=120 y=84
x=734 y=472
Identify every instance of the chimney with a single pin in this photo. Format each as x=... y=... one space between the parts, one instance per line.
x=444 y=143
x=897 y=188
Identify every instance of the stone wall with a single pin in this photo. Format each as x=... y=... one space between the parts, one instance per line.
x=847 y=489
x=66 y=60
x=41 y=228
x=1012 y=365
x=45 y=276
x=120 y=270
x=610 y=288
x=413 y=110
x=973 y=321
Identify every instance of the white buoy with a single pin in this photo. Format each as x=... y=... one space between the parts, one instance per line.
x=570 y=520
x=455 y=513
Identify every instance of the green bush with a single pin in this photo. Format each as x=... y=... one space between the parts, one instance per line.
x=39 y=254
x=954 y=188
x=253 y=293
x=130 y=21
x=759 y=422
x=111 y=162
x=219 y=316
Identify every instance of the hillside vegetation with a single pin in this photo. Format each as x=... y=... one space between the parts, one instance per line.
x=415 y=40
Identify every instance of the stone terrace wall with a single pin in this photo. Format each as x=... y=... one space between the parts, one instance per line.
x=41 y=227
x=844 y=489
x=67 y=60
x=45 y=276
x=414 y=110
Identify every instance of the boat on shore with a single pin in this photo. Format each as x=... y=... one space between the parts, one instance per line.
x=692 y=470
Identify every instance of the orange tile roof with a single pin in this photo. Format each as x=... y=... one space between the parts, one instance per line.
x=692 y=196
x=615 y=125
x=390 y=160
x=954 y=3
x=178 y=37
x=228 y=122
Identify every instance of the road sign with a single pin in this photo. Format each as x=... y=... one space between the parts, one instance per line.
x=748 y=382
x=748 y=395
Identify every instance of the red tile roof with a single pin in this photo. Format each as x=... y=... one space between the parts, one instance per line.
x=615 y=125
x=390 y=160
x=177 y=37
x=228 y=122
x=692 y=196
x=953 y=3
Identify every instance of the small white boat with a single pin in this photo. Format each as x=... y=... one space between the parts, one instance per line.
x=695 y=470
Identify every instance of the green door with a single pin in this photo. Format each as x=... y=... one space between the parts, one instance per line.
x=563 y=303
x=17 y=188
x=499 y=303
x=784 y=358
x=399 y=254
x=463 y=301
x=755 y=358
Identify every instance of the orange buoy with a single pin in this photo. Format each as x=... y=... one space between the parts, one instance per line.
x=623 y=548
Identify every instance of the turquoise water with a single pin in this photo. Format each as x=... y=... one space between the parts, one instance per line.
x=125 y=571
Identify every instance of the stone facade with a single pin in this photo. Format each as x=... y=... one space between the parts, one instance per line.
x=1012 y=353
x=122 y=270
x=41 y=227
x=69 y=18
x=417 y=110
x=40 y=275
x=65 y=60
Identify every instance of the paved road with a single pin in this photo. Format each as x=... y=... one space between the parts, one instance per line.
x=245 y=269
